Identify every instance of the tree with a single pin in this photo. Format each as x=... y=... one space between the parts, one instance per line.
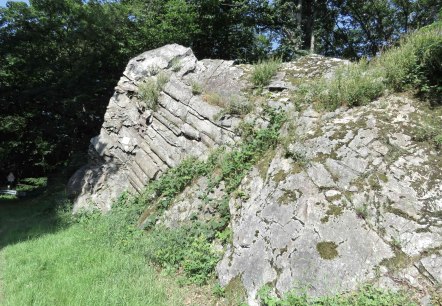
x=364 y=28
x=59 y=62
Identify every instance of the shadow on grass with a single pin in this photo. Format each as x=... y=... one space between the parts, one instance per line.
x=25 y=219
x=29 y=218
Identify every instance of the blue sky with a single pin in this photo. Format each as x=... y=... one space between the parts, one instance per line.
x=3 y=2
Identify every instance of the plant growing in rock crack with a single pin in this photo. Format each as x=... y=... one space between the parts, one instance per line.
x=396 y=242
x=263 y=72
x=297 y=156
x=239 y=106
x=175 y=64
x=149 y=90
x=362 y=211
x=214 y=98
x=232 y=105
x=197 y=89
x=153 y=70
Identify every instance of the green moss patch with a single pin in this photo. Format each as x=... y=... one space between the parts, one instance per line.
x=333 y=211
x=327 y=250
x=235 y=292
x=280 y=176
x=398 y=262
x=287 y=197
x=264 y=164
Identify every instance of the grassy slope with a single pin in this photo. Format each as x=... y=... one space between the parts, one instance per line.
x=45 y=263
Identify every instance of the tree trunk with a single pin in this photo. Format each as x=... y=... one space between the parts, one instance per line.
x=308 y=14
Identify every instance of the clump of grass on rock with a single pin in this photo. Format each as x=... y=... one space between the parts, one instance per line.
x=149 y=90
x=263 y=72
x=416 y=64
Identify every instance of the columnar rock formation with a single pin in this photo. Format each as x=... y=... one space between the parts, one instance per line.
x=136 y=143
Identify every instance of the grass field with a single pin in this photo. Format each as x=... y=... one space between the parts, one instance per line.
x=47 y=260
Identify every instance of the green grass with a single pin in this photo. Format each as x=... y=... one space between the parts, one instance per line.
x=48 y=258
x=366 y=296
x=197 y=88
x=263 y=71
x=415 y=64
x=71 y=267
x=149 y=90
x=233 y=105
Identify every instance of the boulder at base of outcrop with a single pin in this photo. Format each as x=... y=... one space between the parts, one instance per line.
x=140 y=139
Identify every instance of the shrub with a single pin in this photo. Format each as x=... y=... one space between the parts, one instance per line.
x=32 y=184
x=239 y=106
x=175 y=249
x=416 y=62
x=35 y=181
x=264 y=71
x=7 y=197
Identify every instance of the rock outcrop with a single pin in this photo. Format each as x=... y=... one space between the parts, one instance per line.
x=353 y=200
x=349 y=197
x=136 y=144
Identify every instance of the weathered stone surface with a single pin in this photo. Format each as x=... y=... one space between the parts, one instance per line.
x=137 y=144
x=433 y=265
x=351 y=197
x=359 y=185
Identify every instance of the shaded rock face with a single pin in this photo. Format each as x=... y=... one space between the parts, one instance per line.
x=353 y=200
x=138 y=143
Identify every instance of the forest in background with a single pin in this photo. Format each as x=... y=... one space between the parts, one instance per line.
x=60 y=60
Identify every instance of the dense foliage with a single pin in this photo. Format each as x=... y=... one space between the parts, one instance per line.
x=414 y=65
x=59 y=60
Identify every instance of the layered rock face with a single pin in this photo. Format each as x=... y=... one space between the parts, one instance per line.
x=137 y=143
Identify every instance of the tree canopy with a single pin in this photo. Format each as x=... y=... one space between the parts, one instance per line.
x=59 y=60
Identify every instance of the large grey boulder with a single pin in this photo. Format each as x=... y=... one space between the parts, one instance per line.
x=137 y=143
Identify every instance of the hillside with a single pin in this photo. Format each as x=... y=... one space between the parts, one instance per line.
x=310 y=182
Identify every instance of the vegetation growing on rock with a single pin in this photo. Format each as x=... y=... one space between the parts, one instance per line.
x=227 y=186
